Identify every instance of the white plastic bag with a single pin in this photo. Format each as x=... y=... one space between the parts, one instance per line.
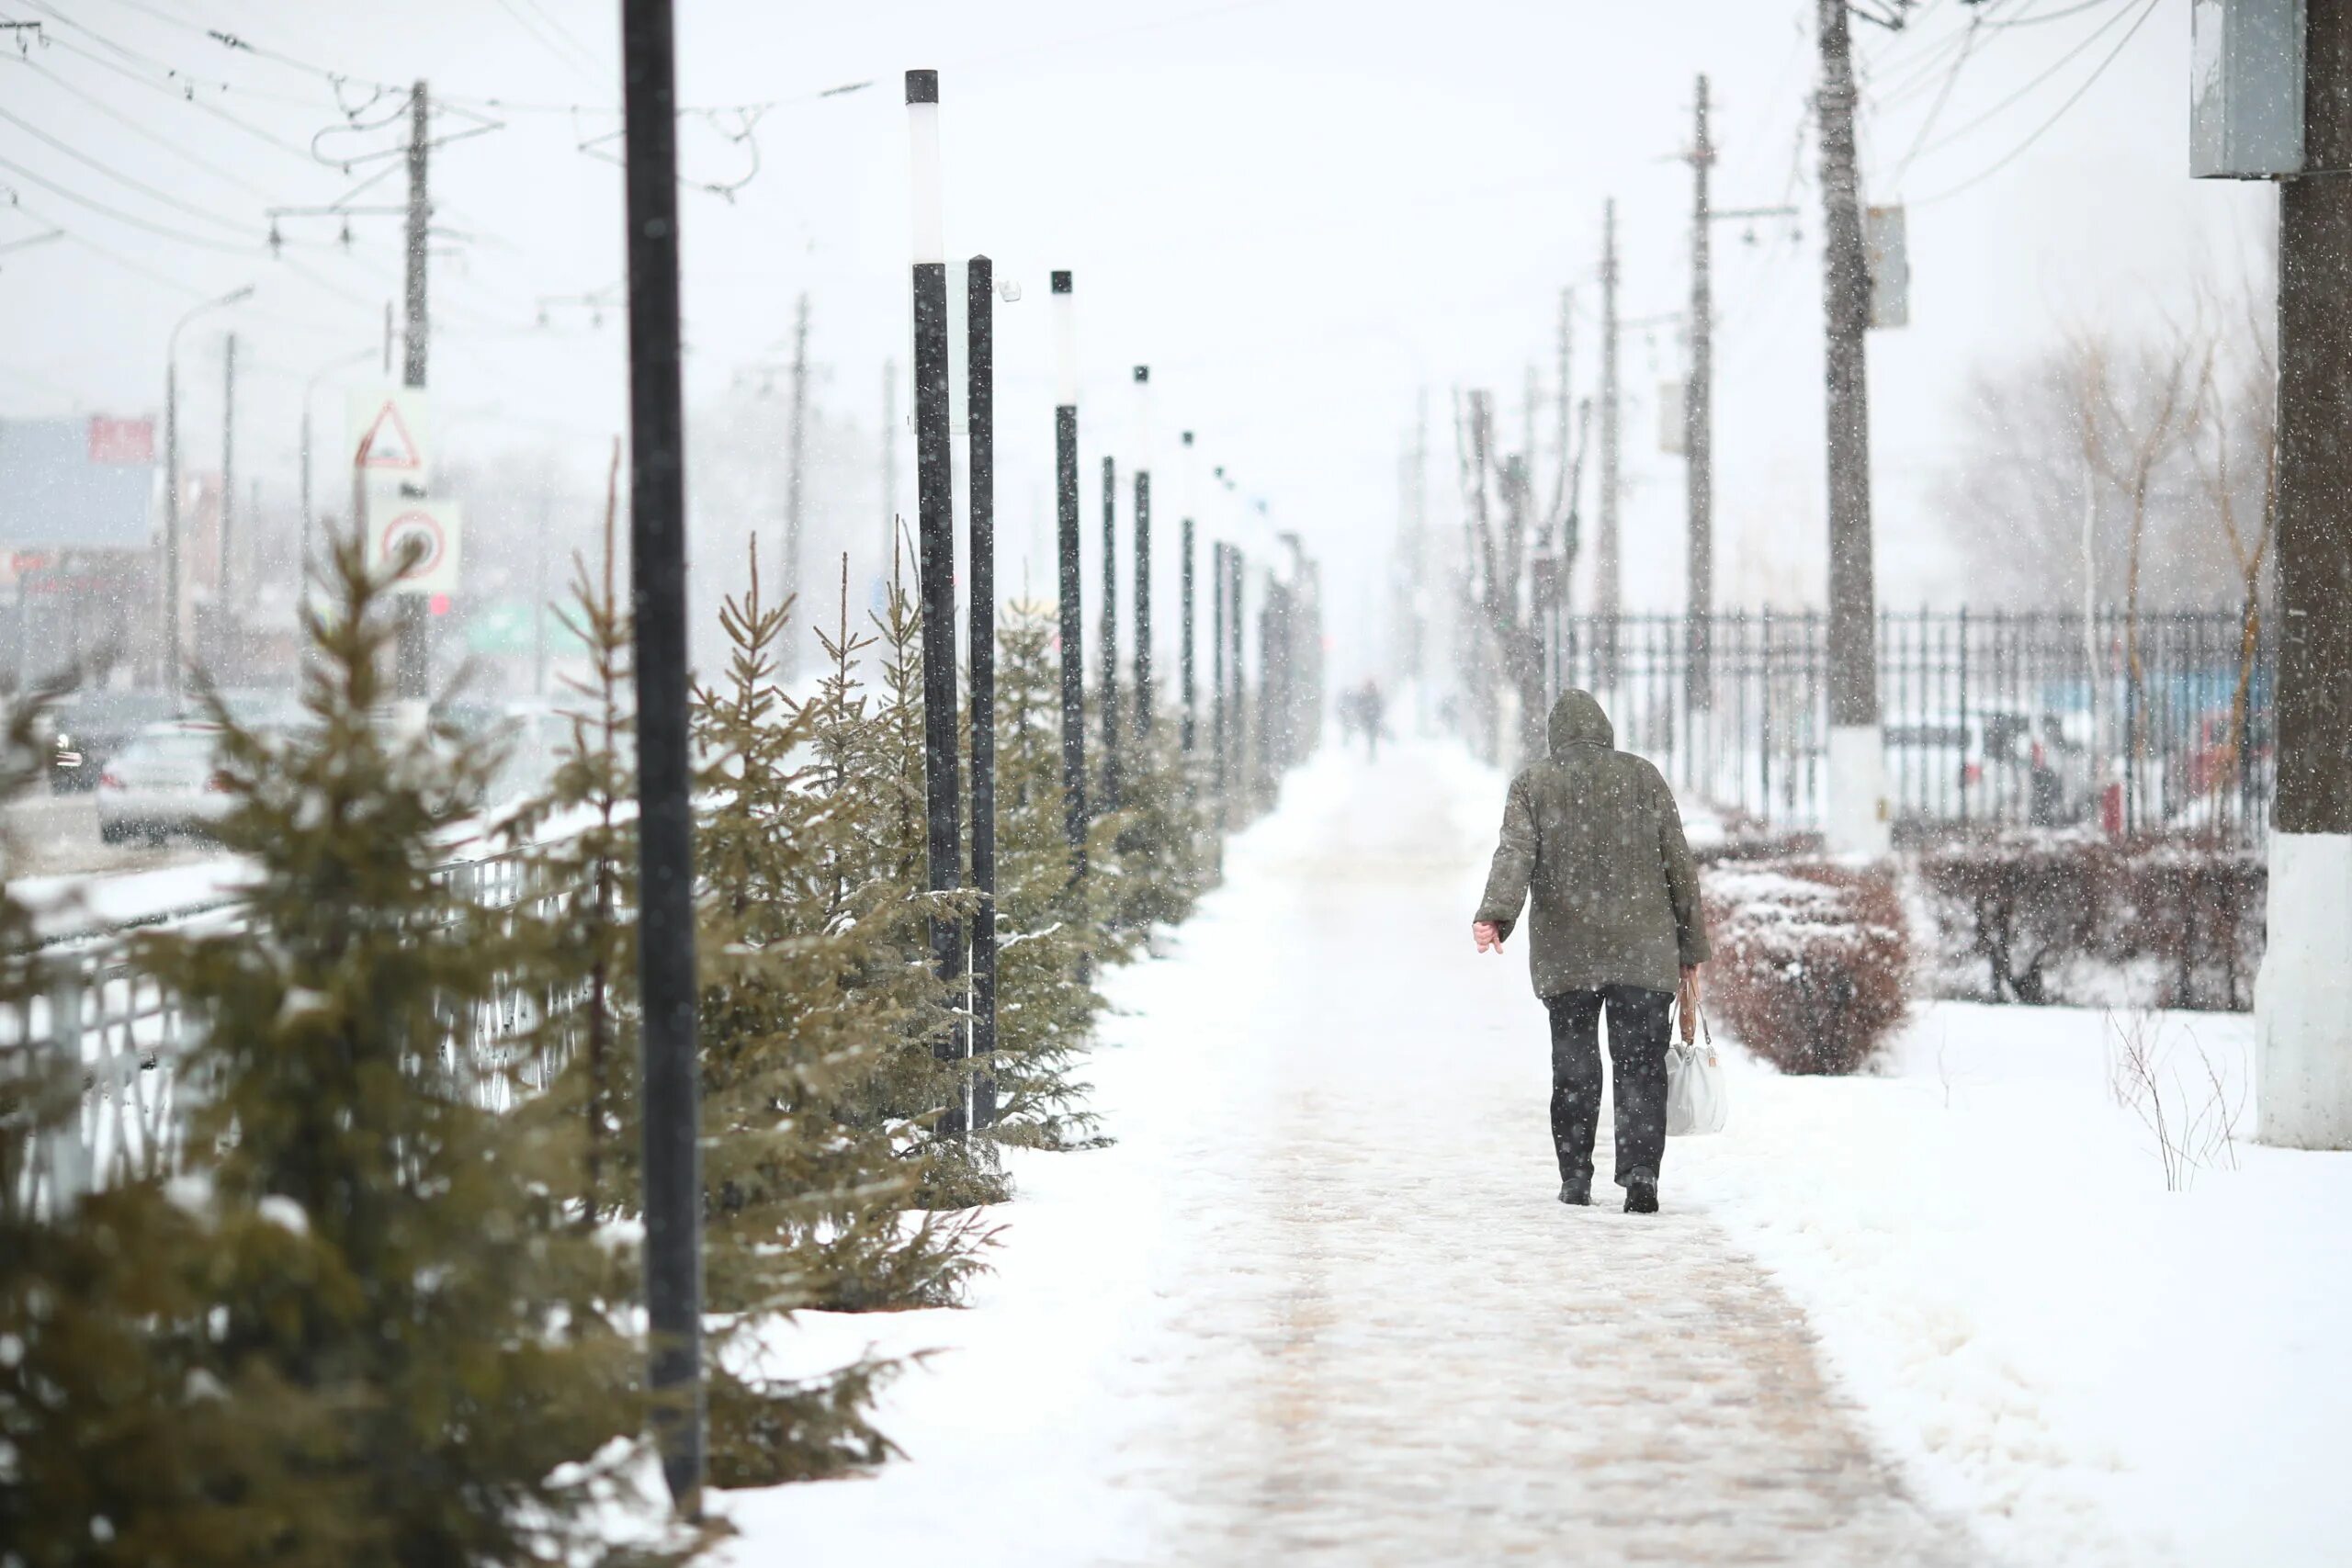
x=1696 y=1096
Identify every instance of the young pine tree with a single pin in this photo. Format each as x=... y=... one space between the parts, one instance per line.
x=387 y=1293
x=764 y=1428
x=1048 y=947
x=870 y=750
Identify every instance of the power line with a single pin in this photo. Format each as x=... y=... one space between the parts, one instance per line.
x=128 y=123
x=185 y=94
x=1935 y=110
x=2018 y=150
x=2059 y=65
x=2074 y=10
x=166 y=198
x=102 y=209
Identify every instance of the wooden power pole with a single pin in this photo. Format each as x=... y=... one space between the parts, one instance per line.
x=1857 y=820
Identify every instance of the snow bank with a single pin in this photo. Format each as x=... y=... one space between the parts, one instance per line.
x=2092 y=1369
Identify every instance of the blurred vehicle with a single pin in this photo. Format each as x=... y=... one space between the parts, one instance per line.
x=88 y=728
x=167 y=781
x=1989 y=765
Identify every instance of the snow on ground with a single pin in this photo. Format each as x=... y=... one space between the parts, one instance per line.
x=1320 y=1304
x=2092 y=1368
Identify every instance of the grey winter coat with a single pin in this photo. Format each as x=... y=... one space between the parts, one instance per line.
x=1594 y=835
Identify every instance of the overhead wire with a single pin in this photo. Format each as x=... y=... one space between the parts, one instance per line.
x=131 y=182
x=1936 y=110
x=25 y=62
x=132 y=219
x=2147 y=10
x=2081 y=47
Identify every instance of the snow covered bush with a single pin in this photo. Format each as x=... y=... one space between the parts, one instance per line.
x=2007 y=910
x=1812 y=963
x=2074 y=919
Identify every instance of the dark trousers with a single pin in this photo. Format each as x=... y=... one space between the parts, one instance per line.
x=1637 y=1037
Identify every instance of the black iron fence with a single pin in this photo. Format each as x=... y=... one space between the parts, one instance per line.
x=2158 y=723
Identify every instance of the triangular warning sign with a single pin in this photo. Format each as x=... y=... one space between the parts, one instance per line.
x=388 y=443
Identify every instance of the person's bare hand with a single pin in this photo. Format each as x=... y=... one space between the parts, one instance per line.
x=1690 y=979
x=1487 y=935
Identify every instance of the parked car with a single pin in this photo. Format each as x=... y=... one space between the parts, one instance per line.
x=88 y=728
x=1988 y=765
x=167 y=780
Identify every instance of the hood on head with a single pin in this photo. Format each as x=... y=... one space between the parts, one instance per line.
x=1577 y=720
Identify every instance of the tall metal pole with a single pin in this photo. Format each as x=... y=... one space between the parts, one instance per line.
x=1185 y=590
x=1073 y=626
x=979 y=413
x=793 y=481
x=2302 y=1032
x=1143 y=550
x=228 y=484
x=170 y=529
x=1234 y=564
x=889 y=467
x=414 y=661
x=1216 y=674
x=1857 y=817
x=1607 y=603
x=670 y=1091
x=1697 y=431
x=1110 y=635
x=935 y=550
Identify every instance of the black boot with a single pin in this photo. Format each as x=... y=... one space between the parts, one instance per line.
x=1578 y=1190
x=1641 y=1194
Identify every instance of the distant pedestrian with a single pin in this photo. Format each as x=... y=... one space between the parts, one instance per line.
x=1592 y=833
x=1370 y=709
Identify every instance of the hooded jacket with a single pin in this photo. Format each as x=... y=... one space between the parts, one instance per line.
x=1592 y=833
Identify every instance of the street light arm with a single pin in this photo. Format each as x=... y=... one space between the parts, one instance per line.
x=234 y=297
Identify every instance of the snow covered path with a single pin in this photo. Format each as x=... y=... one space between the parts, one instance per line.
x=1321 y=1305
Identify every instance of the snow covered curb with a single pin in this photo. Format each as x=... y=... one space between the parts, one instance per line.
x=2089 y=1368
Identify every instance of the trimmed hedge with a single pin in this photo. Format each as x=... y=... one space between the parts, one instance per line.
x=1812 y=963
x=2044 y=919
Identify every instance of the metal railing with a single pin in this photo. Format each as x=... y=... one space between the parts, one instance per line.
x=129 y=1038
x=2158 y=723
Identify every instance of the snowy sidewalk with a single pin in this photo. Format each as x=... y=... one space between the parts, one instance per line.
x=1320 y=1303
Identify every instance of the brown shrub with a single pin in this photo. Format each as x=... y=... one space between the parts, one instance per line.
x=2017 y=916
x=2016 y=905
x=1811 y=967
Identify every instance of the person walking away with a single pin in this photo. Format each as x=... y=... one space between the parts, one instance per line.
x=1592 y=843
x=1371 y=709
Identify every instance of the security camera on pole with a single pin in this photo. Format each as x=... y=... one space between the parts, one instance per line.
x=935 y=550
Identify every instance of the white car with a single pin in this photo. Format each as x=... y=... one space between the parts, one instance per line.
x=167 y=780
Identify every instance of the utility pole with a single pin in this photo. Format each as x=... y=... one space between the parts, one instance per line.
x=669 y=1078
x=415 y=659
x=1856 y=820
x=2302 y=1030
x=1066 y=542
x=793 y=482
x=1697 y=431
x=935 y=550
x=1143 y=550
x=1607 y=603
x=228 y=486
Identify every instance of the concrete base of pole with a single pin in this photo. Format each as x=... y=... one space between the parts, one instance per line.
x=2302 y=997
x=1857 y=815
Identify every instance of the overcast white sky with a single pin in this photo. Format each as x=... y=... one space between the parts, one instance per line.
x=1298 y=212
